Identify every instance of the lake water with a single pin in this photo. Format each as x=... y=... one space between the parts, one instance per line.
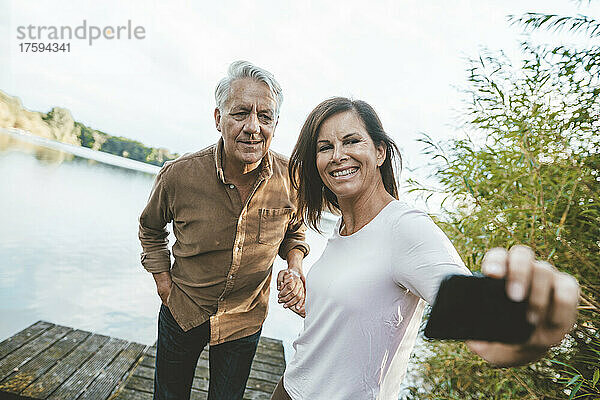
x=69 y=252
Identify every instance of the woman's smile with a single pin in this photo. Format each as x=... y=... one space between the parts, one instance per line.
x=344 y=173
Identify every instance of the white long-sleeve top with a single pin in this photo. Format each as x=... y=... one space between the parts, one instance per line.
x=364 y=304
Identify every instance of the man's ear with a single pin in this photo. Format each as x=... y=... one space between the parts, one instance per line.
x=218 y=119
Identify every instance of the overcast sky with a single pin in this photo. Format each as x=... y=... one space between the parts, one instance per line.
x=406 y=58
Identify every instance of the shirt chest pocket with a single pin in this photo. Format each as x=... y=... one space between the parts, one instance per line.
x=272 y=225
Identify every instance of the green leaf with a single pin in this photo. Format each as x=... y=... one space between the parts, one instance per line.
x=575 y=390
x=573 y=380
x=596 y=377
x=468 y=186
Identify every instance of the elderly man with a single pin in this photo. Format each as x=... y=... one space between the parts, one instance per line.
x=233 y=211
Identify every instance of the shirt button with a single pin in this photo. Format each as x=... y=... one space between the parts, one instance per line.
x=221 y=298
x=231 y=186
x=230 y=276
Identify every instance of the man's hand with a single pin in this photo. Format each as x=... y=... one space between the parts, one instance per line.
x=552 y=298
x=163 y=285
x=291 y=290
x=291 y=284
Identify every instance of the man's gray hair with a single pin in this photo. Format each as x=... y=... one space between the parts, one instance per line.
x=244 y=69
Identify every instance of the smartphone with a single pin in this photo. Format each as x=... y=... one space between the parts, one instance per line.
x=477 y=307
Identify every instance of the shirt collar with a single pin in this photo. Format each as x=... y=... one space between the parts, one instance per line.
x=266 y=165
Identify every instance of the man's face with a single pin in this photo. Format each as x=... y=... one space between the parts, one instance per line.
x=247 y=123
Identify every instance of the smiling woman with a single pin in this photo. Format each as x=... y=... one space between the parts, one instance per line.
x=337 y=128
x=347 y=159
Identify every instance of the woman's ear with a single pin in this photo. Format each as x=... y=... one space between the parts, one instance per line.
x=381 y=153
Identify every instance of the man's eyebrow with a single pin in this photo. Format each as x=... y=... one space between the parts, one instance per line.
x=240 y=107
x=323 y=141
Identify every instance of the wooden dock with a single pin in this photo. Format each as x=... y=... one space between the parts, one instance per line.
x=48 y=361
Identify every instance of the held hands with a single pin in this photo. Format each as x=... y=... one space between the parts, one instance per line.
x=552 y=298
x=290 y=284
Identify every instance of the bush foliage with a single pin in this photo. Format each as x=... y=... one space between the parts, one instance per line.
x=528 y=172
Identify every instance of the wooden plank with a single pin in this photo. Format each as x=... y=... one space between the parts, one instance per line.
x=14 y=342
x=140 y=384
x=250 y=394
x=130 y=394
x=200 y=383
x=265 y=376
x=270 y=347
x=77 y=382
x=151 y=351
x=144 y=372
x=269 y=355
x=198 y=395
x=110 y=376
x=267 y=341
x=14 y=360
x=276 y=369
x=64 y=368
x=148 y=362
x=260 y=385
x=34 y=368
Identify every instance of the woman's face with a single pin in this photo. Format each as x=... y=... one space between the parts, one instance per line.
x=347 y=159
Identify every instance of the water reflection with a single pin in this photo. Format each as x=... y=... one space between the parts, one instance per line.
x=43 y=154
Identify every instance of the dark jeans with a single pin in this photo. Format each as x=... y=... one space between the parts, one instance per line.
x=177 y=354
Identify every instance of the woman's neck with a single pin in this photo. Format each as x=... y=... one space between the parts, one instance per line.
x=358 y=212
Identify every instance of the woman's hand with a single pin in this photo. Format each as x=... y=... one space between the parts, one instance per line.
x=290 y=284
x=552 y=298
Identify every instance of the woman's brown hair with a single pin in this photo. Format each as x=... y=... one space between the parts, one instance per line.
x=313 y=195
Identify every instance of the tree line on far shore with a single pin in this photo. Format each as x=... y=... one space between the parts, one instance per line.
x=122 y=146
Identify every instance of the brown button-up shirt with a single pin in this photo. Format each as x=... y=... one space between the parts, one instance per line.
x=224 y=250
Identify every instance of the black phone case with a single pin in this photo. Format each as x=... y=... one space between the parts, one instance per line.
x=476 y=307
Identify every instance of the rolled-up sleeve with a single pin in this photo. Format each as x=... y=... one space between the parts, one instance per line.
x=153 y=234
x=295 y=237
